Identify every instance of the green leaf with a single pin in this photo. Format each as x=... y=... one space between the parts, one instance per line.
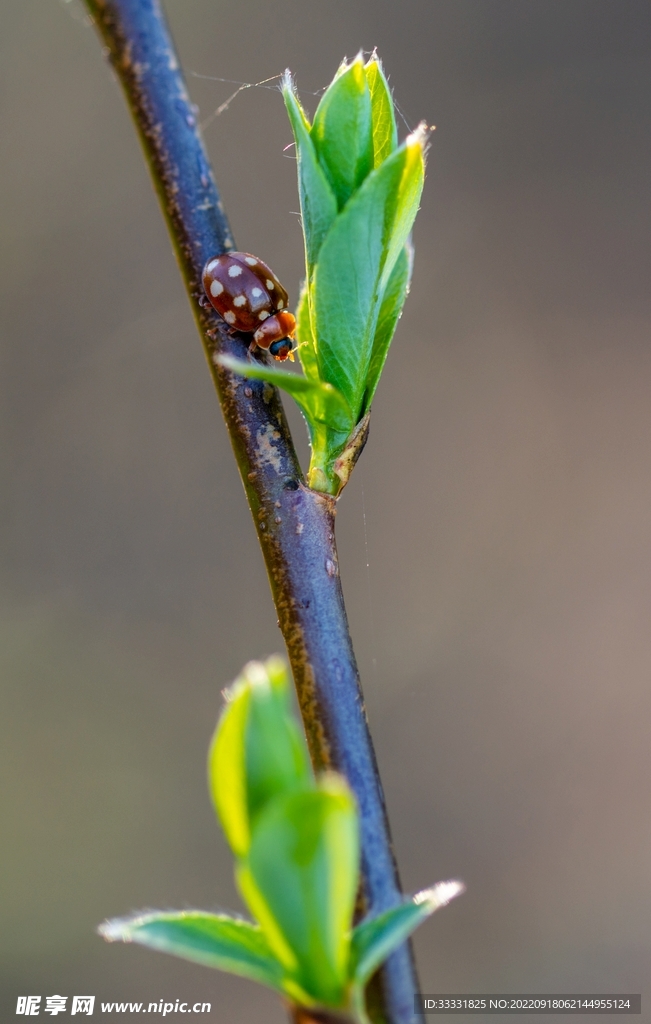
x=354 y=266
x=257 y=752
x=318 y=202
x=321 y=403
x=304 y=336
x=392 y=302
x=376 y=938
x=277 y=760
x=214 y=940
x=342 y=131
x=300 y=882
x=385 y=132
x=226 y=771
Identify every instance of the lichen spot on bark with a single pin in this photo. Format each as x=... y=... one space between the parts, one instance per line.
x=268 y=454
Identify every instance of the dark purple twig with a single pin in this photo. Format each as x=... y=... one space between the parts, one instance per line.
x=295 y=525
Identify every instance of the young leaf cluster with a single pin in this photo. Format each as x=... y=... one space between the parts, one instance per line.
x=359 y=193
x=295 y=839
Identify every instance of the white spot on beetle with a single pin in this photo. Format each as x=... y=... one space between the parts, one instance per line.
x=256 y=292
x=239 y=300
x=235 y=270
x=211 y=266
x=216 y=288
x=229 y=317
x=270 y=285
x=263 y=315
x=251 y=261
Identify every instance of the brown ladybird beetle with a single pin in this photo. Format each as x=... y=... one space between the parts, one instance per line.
x=251 y=299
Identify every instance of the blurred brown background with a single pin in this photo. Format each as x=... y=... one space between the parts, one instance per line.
x=502 y=625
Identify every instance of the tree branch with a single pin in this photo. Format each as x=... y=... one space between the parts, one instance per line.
x=295 y=525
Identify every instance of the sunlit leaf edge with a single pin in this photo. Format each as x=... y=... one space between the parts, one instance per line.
x=226 y=767
x=385 y=131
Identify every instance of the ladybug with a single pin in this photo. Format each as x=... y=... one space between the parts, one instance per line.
x=251 y=299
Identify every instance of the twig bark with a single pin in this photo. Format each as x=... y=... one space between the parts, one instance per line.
x=295 y=525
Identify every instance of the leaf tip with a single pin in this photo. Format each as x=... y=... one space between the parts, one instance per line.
x=255 y=674
x=287 y=81
x=440 y=895
x=419 y=137
x=224 y=360
x=117 y=929
x=232 y=363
